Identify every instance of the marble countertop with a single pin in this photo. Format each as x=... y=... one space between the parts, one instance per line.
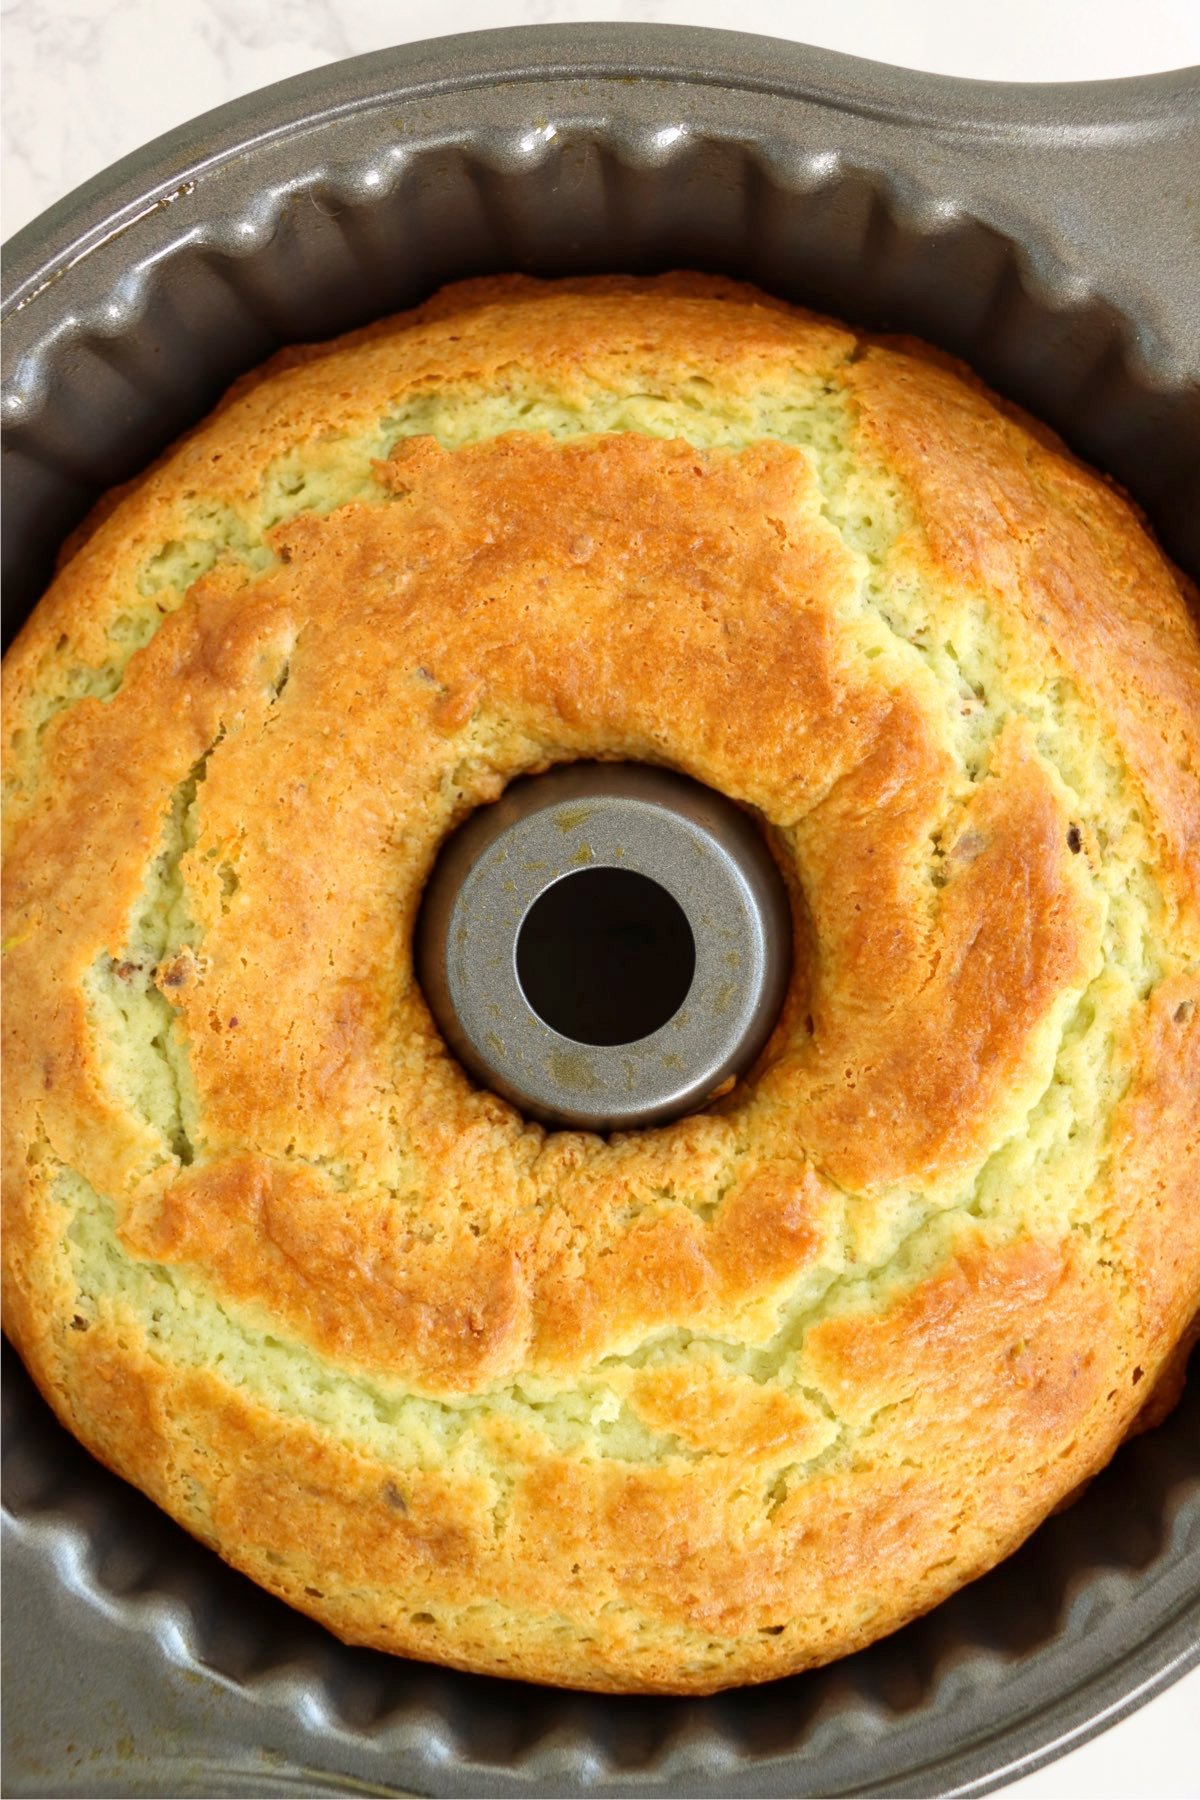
x=88 y=80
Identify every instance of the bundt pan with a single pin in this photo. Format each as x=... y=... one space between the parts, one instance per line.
x=1049 y=236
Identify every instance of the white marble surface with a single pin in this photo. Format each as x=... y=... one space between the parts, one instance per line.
x=88 y=80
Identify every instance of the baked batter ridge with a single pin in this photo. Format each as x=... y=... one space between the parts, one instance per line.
x=685 y=1407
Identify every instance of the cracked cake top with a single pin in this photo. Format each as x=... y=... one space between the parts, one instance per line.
x=703 y=1403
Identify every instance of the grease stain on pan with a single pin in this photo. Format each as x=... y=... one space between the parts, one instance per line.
x=155 y=206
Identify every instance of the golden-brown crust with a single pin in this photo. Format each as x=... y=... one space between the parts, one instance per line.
x=1019 y=518
x=696 y=1405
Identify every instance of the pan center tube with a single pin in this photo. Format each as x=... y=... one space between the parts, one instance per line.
x=606 y=946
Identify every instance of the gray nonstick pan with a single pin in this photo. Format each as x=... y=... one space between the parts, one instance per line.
x=1046 y=234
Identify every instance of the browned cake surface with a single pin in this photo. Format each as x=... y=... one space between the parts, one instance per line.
x=691 y=1406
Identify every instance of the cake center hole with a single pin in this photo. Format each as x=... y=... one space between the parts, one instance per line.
x=605 y=956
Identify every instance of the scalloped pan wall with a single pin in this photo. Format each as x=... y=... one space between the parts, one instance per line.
x=1048 y=236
